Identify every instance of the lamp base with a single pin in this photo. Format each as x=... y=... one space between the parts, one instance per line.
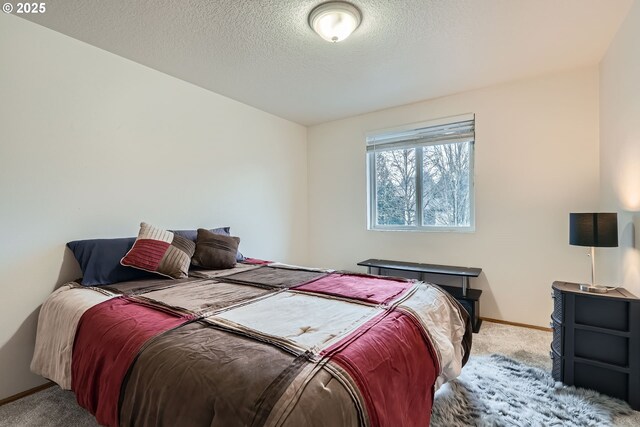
x=596 y=289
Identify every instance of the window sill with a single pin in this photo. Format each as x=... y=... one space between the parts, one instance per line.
x=463 y=230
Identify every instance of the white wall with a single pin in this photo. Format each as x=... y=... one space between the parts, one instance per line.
x=536 y=161
x=91 y=144
x=620 y=151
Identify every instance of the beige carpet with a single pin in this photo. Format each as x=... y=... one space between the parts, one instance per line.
x=529 y=346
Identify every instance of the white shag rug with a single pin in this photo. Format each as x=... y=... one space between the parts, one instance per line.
x=497 y=391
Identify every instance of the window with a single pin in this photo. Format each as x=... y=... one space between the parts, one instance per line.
x=421 y=176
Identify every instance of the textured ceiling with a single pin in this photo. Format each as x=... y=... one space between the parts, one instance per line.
x=263 y=53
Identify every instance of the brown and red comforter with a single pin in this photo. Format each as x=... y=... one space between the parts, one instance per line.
x=257 y=345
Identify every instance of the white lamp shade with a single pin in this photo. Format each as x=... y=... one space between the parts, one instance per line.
x=334 y=21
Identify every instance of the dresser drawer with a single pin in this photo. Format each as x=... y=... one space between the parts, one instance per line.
x=558 y=336
x=601 y=347
x=602 y=313
x=558 y=304
x=556 y=365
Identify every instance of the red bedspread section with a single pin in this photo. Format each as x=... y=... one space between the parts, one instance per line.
x=375 y=290
x=256 y=261
x=395 y=369
x=108 y=338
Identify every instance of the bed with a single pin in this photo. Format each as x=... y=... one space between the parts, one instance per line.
x=260 y=344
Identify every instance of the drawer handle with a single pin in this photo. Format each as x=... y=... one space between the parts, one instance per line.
x=551 y=355
x=553 y=295
x=551 y=324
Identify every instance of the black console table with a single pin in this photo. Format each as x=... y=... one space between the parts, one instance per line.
x=467 y=297
x=596 y=341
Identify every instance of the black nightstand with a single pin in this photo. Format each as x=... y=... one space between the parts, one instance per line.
x=596 y=341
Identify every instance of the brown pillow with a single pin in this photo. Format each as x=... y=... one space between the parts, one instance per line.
x=215 y=251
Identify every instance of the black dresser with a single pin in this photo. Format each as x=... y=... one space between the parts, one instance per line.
x=596 y=341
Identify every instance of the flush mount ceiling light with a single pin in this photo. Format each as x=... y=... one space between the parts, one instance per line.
x=334 y=21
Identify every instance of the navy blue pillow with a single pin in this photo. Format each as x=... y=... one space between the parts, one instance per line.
x=99 y=260
x=193 y=235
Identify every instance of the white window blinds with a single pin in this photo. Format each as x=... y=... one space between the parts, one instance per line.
x=454 y=129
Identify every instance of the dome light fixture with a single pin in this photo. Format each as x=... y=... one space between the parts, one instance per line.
x=334 y=21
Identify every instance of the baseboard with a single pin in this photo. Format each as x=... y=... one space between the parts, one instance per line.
x=522 y=325
x=26 y=393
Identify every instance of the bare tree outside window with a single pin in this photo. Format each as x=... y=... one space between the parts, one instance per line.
x=422 y=177
x=445 y=185
x=396 y=187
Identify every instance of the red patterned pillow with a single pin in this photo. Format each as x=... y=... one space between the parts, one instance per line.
x=160 y=251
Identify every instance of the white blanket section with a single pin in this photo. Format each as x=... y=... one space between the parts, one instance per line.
x=57 y=324
x=303 y=322
x=444 y=324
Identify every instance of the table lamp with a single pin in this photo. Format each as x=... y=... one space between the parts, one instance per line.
x=597 y=230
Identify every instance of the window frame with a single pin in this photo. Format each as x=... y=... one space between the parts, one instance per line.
x=372 y=205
